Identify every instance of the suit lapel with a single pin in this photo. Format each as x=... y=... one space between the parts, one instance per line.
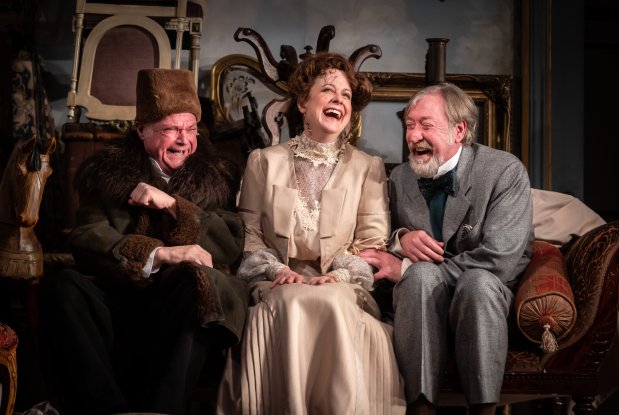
x=457 y=206
x=415 y=205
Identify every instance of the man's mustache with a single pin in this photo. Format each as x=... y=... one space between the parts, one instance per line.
x=420 y=146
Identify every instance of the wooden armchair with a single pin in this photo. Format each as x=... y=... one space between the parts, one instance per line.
x=592 y=264
x=131 y=32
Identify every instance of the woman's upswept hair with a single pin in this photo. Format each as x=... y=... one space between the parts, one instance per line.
x=459 y=106
x=316 y=65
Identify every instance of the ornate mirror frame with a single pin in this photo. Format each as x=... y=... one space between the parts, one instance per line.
x=233 y=79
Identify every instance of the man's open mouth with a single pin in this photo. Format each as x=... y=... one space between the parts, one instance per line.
x=422 y=151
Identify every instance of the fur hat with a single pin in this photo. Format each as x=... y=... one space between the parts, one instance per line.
x=161 y=92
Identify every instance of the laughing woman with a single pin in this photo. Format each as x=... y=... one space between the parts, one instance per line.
x=313 y=341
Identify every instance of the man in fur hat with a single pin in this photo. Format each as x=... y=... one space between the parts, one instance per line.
x=131 y=327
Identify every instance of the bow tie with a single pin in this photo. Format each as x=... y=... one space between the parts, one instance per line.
x=446 y=183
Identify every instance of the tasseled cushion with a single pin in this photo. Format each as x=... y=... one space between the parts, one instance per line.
x=544 y=304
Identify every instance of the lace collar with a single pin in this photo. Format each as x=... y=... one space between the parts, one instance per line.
x=318 y=153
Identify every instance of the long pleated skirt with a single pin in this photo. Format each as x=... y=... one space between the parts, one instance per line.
x=312 y=350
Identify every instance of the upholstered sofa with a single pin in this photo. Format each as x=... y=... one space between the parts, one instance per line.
x=580 y=315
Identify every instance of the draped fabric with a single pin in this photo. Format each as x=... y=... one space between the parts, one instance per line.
x=281 y=368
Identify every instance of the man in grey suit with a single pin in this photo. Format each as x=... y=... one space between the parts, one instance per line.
x=462 y=216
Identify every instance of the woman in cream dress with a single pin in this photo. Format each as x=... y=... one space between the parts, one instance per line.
x=313 y=341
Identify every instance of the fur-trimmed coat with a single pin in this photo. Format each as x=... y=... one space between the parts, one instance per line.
x=113 y=240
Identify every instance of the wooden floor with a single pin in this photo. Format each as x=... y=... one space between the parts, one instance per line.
x=454 y=404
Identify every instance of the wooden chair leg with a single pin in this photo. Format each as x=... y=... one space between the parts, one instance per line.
x=583 y=405
x=558 y=405
x=8 y=369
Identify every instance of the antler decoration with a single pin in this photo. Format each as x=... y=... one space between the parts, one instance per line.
x=288 y=63
x=280 y=71
x=274 y=111
x=327 y=33
x=363 y=53
x=265 y=57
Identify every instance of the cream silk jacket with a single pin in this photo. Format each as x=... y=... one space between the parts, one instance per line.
x=354 y=207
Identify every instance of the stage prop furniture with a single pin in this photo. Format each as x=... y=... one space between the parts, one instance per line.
x=132 y=33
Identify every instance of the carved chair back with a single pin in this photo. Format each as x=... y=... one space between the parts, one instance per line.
x=236 y=80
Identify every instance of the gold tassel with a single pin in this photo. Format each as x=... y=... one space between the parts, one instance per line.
x=549 y=342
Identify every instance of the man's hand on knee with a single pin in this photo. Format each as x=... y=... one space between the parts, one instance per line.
x=419 y=246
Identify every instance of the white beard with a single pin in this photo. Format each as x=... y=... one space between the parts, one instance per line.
x=429 y=168
x=426 y=169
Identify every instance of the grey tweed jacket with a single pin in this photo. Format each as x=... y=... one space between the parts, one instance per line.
x=487 y=223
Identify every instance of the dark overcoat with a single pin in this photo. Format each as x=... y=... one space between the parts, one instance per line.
x=112 y=239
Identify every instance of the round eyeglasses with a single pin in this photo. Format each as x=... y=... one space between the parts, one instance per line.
x=174 y=132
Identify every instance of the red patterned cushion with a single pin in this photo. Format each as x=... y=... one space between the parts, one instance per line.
x=8 y=338
x=544 y=296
